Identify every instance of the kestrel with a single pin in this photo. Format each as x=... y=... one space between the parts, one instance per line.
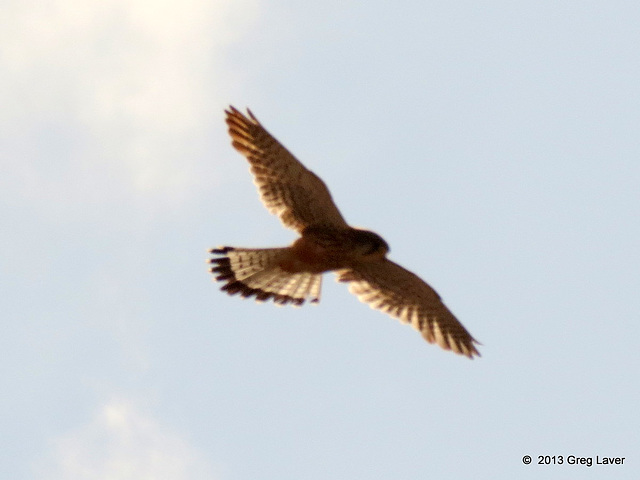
x=327 y=243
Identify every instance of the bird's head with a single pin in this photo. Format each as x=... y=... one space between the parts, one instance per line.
x=370 y=245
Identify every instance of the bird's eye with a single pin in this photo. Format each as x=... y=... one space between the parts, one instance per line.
x=373 y=248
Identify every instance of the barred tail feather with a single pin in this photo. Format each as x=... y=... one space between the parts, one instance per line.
x=251 y=271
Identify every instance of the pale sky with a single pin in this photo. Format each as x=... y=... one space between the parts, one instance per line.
x=494 y=145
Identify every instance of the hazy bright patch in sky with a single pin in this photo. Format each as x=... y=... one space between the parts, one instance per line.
x=494 y=146
x=124 y=444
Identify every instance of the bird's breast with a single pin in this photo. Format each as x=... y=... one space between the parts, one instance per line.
x=316 y=255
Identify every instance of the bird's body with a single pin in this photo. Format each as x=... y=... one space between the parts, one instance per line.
x=322 y=249
x=327 y=243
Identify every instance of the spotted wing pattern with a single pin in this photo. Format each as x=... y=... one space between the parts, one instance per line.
x=390 y=288
x=288 y=189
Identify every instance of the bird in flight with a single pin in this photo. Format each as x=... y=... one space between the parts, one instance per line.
x=293 y=274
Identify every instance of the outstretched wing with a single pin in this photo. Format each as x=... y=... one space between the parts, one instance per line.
x=297 y=195
x=388 y=287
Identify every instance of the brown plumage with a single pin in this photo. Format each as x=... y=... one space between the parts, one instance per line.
x=293 y=274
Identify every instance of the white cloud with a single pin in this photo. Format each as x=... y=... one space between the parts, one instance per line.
x=112 y=91
x=122 y=443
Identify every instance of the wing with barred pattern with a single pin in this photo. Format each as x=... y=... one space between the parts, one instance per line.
x=288 y=189
x=388 y=287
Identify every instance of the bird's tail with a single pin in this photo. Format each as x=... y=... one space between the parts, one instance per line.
x=257 y=271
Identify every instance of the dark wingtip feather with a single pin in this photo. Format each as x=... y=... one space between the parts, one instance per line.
x=220 y=250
